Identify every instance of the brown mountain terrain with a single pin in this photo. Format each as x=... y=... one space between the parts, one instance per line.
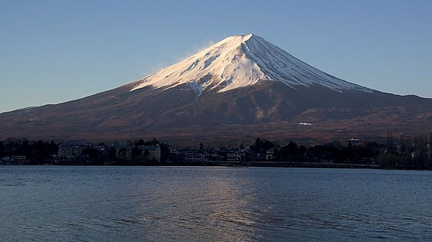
x=270 y=110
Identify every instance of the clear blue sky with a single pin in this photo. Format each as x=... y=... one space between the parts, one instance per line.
x=56 y=51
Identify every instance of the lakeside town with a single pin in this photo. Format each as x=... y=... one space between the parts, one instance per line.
x=401 y=153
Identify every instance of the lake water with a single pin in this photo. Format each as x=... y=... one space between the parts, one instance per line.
x=49 y=203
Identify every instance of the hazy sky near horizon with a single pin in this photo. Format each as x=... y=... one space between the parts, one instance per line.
x=56 y=51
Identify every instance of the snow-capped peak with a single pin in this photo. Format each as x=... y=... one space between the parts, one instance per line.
x=240 y=61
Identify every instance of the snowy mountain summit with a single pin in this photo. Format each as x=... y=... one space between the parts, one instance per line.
x=240 y=61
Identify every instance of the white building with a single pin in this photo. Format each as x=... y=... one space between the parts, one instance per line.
x=151 y=152
x=71 y=150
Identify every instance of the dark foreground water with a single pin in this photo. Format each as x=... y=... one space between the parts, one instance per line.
x=213 y=204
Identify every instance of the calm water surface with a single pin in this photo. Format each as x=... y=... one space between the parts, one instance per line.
x=48 y=203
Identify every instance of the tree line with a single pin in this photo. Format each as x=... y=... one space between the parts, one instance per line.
x=404 y=152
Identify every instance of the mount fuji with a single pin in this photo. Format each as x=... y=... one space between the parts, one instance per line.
x=240 y=61
x=238 y=89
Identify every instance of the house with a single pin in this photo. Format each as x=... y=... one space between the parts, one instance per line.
x=14 y=160
x=72 y=150
x=270 y=154
x=234 y=157
x=151 y=152
x=195 y=157
x=142 y=152
x=124 y=152
x=215 y=157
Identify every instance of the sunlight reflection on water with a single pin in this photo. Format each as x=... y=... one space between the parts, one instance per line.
x=213 y=204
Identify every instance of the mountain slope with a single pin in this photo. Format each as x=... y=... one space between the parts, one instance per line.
x=241 y=88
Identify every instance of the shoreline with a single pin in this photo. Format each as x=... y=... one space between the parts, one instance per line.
x=244 y=165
